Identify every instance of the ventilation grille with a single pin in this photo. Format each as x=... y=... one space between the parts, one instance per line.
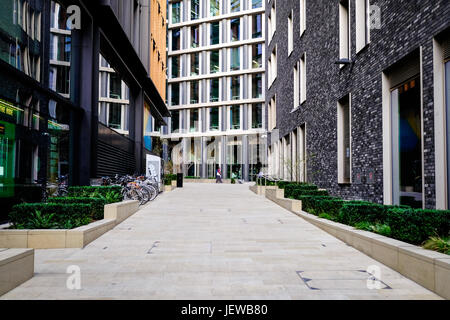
x=111 y=161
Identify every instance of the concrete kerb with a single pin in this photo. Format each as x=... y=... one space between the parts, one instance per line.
x=428 y=268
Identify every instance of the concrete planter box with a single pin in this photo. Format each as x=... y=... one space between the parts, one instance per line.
x=428 y=268
x=277 y=195
x=169 y=188
x=174 y=183
x=75 y=238
x=260 y=190
x=16 y=267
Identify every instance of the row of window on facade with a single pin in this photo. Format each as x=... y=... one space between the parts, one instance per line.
x=191 y=120
x=216 y=31
x=210 y=62
x=362 y=25
x=209 y=90
x=216 y=8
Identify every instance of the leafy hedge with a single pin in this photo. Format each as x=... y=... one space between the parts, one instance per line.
x=96 y=204
x=298 y=193
x=56 y=215
x=93 y=191
x=399 y=222
x=417 y=225
x=297 y=190
x=168 y=178
x=354 y=212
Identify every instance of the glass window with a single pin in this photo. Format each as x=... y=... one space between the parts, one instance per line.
x=175 y=98
x=235 y=59
x=214 y=90
x=194 y=92
x=60 y=79
x=175 y=121
x=193 y=120
x=256 y=4
x=235 y=29
x=195 y=63
x=60 y=47
x=195 y=9
x=235 y=117
x=215 y=33
x=257 y=86
x=214 y=119
x=175 y=66
x=115 y=86
x=115 y=116
x=407 y=148
x=214 y=61
x=235 y=88
x=195 y=37
x=214 y=7
x=257 y=55
x=257 y=116
x=176 y=39
x=257 y=26
x=235 y=5
x=58 y=17
x=176 y=12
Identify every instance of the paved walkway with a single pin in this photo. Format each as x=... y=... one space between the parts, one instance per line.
x=214 y=242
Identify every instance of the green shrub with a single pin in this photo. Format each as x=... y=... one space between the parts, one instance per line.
x=62 y=214
x=195 y=178
x=93 y=191
x=327 y=216
x=283 y=184
x=328 y=205
x=438 y=244
x=296 y=190
x=310 y=202
x=363 y=225
x=357 y=211
x=262 y=182
x=417 y=225
x=97 y=204
x=379 y=228
x=298 y=193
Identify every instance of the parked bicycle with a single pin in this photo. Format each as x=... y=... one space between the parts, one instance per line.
x=61 y=188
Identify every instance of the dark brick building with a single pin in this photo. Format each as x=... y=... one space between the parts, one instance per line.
x=358 y=97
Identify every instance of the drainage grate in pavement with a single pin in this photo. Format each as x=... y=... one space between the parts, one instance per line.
x=339 y=280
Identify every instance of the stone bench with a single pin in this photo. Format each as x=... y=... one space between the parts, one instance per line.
x=16 y=267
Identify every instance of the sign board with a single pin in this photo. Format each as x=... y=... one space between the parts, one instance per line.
x=153 y=167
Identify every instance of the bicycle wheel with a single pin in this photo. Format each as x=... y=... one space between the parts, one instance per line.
x=146 y=195
x=153 y=192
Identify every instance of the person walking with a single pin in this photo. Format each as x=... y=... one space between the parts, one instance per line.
x=218 y=176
